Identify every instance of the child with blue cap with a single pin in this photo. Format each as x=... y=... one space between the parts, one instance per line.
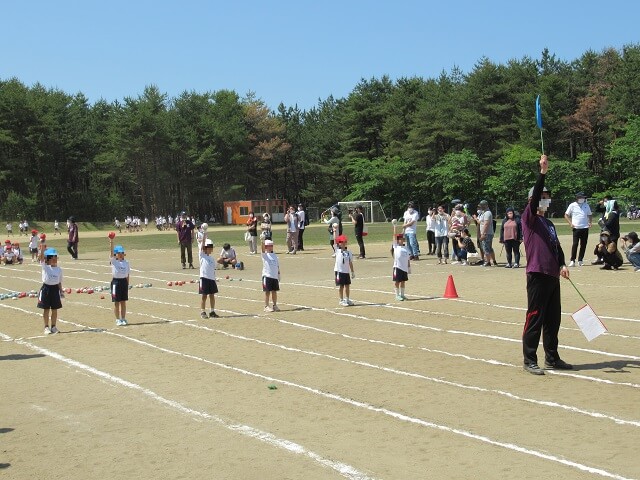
x=119 y=283
x=51 y=293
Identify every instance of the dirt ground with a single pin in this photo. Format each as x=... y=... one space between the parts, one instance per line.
x=429 y=388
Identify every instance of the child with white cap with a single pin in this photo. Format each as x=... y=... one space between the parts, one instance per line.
x=207 y=286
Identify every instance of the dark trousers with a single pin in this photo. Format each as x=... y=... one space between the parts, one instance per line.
x=72 y=248
x=431 y=240
x=360 y=241
x=543 y=317
x=186 y=246
x=300 y=234
x=513 y=251
x=580 y=235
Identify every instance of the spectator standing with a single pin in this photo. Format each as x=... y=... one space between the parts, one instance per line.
x=302 y=223
x=72 y=239
x=579 y=218
x=431 y=232
x=411 y=217
x=252 y=228
x=184 y=230
x=485 y=224
x=265 y=227
x=291 y=219
x=357 y=218
x=441 y=227
x=545 y=266
x=334 y=228
x=511 y=237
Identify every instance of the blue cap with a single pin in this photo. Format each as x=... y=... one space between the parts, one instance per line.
x=50 y=252
x=118 y=249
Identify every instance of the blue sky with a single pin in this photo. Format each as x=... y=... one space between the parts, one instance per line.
x=294 y=52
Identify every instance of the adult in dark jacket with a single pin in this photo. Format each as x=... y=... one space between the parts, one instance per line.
x=610 y=223
x=511 y=237
x=545 y=266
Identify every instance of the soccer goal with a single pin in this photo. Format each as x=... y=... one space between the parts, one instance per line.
x=373 y=211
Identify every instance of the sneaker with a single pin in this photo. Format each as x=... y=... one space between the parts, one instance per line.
x=455 y=262
x=445 y=260
x=597 y=261
x=124 y=322
x=558 y=365
x=343 y=303
x=508 y=265
x=47 y=331
x=399 y=298
x=54 y=329
x=203 y=315
x=605 y=267
x=349 y=303
x=486 y=264
x=580 y=263
x=637 y=269
x=118 y=322
x=191 y=266
x=572 y=263
x=184 y=265
x=275 y=308
x=515 y=265
x=439 y=261
x=268 y=309
x=533 y=368
x=495 y=264
x=213 y=314
x=333 y=255
x=403 y=297
x=463 y=262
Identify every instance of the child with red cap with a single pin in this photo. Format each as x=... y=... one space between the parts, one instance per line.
x=343 y=270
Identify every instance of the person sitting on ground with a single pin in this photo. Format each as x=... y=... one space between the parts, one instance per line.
x=227 y=256
x=607 y=250
x=631 y=248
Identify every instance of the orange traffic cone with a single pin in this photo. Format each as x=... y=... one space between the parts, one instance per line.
x=450 y=290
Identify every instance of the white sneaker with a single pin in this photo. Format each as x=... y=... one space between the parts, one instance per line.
x=334 y=255
x=572 y=263
x=455 y=262
x=343 y=303
x=580 y=263
x=54 y=330
x=349 y=303
x=123 y=322
x=119 y=322
x=268 y=309
x=275 y=308
x=47 y=331
x=463 y=263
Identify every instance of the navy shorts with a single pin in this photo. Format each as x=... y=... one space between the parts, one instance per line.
x=207 y=286
x=119 y=290
x=49 y=297
x=270 y=284
x=342 y=278
x=400 y=275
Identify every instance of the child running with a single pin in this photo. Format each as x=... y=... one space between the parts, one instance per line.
x=401 y=265
x=120 y=282
x=50 y=295
x=343 y=267
x=207 y=286
x=270 y=276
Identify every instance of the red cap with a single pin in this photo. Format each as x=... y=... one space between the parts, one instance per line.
x=33 y=232
x=341 y=239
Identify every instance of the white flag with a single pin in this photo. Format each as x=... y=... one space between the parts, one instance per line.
x=589 y=323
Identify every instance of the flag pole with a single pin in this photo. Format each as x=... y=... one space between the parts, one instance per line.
x=574 y=286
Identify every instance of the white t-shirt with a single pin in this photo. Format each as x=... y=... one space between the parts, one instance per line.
x=579 y=214
x=301 y=217
x=119 y=268
x=228 y=254
x=343 y=260
x=270 y=265
x=486 y=219
x=51 y=275
x=207 y=266
x=430 y=226
x=411 y=217
x=401 y=257
x=33 y=242
x=441 y=224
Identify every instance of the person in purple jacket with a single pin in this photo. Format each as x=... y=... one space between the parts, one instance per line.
x=545 y=266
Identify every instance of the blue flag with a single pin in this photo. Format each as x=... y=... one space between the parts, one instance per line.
x=538 y=113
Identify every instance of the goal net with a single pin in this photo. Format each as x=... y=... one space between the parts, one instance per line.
x=372 y=210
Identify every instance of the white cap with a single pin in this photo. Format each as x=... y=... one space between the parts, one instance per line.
x=268 y=242
x=208 y=242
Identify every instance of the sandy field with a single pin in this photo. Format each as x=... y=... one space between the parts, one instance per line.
x=429 y=388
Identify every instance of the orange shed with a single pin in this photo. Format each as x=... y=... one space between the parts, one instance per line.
x=237 y=212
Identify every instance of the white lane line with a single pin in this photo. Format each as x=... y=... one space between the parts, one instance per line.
x=249 y=431
x=343 y=469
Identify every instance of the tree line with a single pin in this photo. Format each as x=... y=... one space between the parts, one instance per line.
x=461 y=135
